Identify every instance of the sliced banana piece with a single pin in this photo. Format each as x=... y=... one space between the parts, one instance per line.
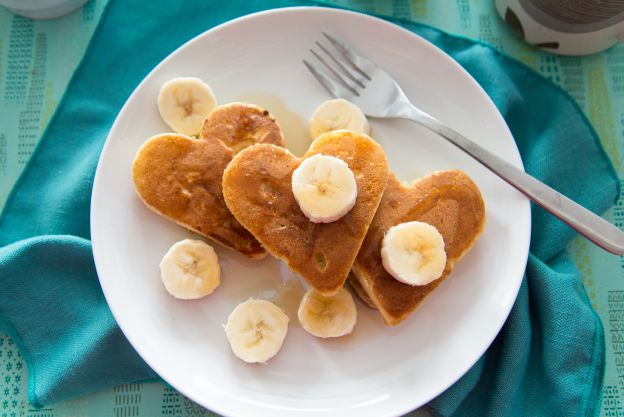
x=337 y=114
x=328 y=316
x=324 y=187
x=184 y=103
x=190 y=269
x=256 y=330
x=413 y=253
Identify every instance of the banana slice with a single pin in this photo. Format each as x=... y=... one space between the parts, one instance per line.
x=413 y=253
x=184 y=103
x=190 y=269
x=324 y=187
x=256 y=330
x=327 y=316
x=337 y=114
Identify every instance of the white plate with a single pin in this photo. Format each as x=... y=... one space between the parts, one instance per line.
x=378 y=370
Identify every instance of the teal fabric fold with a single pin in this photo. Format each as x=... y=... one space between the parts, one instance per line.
x=547 y=360
x=53 y=308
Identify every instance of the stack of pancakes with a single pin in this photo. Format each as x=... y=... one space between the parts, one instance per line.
x=233 y=185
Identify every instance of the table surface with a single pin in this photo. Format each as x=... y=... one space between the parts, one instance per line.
x=37 y=59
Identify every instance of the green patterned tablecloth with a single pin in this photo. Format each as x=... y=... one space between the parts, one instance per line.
x=37 y=59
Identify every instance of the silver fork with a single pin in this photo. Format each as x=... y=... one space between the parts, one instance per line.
x=355 y=78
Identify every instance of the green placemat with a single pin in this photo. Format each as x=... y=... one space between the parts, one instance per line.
x=37 y=59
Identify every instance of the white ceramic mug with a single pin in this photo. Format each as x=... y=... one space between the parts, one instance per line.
x=42 y=9
x=566 y=27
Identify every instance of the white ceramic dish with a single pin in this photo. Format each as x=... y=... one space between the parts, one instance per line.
x=378 y=370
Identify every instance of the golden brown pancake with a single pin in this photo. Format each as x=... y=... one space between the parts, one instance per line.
x=258 y=191
x=357 y=287
x=179 y=177
x=448 y=200
x=239 y=125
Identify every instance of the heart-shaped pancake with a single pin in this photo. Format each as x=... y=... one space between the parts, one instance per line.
x=179 y=177
x=448 y=200
x=258 y=191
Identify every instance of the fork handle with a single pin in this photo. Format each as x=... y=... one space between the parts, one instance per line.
x=588 y=224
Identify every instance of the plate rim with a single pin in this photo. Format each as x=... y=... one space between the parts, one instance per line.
x=94 y=228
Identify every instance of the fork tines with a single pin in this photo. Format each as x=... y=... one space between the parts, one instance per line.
x=344 y=75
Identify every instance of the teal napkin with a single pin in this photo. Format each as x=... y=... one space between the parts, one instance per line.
x=547 y=360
